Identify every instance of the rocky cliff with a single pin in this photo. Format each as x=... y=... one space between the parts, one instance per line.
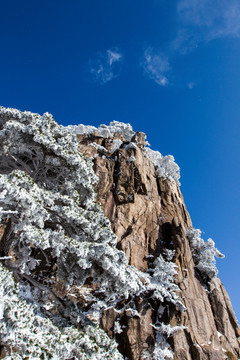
x=151 y=290
x=148 y=215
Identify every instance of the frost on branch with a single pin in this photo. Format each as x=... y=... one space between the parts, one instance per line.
x=47 y=152
x=51 y=186
x=162 y=350
x=166 y=166
x=31 y=335
x=55 y=234
x=163 y=277
x=105 y=131
x=204 y=253
x=55 y=227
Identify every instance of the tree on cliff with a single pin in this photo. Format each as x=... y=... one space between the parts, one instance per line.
x=56 y=233
x=204 y=254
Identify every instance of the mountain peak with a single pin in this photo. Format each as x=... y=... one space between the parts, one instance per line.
x=99 y=259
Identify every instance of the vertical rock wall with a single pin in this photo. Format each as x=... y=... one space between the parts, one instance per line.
x=148 y=214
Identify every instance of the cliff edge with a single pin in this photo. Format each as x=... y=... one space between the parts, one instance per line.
x=148 y=215
x=98 y=255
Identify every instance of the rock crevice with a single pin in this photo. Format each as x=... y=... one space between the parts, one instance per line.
x=107 y=266
x=148 y=215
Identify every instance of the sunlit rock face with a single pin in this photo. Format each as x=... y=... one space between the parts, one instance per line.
x=98 y=256
x=148 y=215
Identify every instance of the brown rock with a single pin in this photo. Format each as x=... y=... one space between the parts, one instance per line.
x=148 y=214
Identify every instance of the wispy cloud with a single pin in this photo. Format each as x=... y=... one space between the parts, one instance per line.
x=199 y=21
x=212 y=19
x=106 y=65
x=113 y=56
x=156 y=66
x=185 y=42
x=190 y=85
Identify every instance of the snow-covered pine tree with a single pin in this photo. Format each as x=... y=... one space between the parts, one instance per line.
x=56 y=235
x=204 y=254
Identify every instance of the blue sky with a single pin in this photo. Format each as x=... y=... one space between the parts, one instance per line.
x=170 y=68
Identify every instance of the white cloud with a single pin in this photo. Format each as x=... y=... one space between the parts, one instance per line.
x=199 y=21
x=190 y=85
x=184 y=42
x=156 y=66
x=113 y=56
x=106 y=66
x=212 y=19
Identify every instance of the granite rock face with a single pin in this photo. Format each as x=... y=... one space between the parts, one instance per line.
x=148 y=215
x=61 y=259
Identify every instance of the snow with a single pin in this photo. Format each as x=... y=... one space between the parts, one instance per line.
x=104 y=130
x=204 y=253
x=116 y=145
x=32 y=334
x=99 y=147
x=117 y=328
x=166 y=166
x=132 y=158
x=47 y=189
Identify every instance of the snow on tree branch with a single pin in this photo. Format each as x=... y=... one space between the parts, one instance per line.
x=106 y=131
x=32 y=335
x=48 y=197
x=204 y=253
x=47 y=190
x=163 y=277
x=166 y=166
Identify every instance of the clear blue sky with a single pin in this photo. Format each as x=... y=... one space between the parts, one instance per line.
x=170 y=68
